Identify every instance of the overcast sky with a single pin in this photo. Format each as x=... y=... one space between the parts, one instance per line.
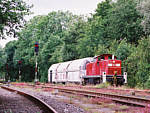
x=43 y=7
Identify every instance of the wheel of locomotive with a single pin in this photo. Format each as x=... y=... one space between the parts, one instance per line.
x=94 y=81
x=84 y=82
x=101 y=80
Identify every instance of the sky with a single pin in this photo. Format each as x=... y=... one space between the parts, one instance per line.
x=43 y=7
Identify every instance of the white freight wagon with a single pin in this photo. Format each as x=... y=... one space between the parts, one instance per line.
x=71 y=71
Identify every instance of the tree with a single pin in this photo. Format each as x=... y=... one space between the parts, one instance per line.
x=125 y=21
x=11 y=16
x=2 y=62
x=103 y=8
x=10 y=51
x=144 y=8
x=70 y=40
x=101 y=50
x=124 y=50
x=138 y=64
x=51 y=31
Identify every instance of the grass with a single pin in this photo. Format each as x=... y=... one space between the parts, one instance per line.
x=123 y=107
x=103 y=85
x=112 y=105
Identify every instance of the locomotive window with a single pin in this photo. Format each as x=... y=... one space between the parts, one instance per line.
x=109 y=57
x=97 y=63
x=99 y=58
x=102 y=58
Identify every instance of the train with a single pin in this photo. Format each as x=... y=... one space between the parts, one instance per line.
x=90 y=70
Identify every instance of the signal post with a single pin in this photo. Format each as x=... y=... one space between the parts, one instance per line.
x=36 y=63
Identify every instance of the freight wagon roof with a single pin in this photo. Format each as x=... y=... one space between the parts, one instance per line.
x=63 y=66
x=54 y=67
x=70 y=65
x=76 y=64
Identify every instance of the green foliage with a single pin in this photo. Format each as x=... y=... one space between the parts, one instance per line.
x=12 y=13
x=144 y=9
x=101 y=50
x=53 y=32
x=115 y=28
x=113 y=47
x=10 y=51
x=138 y=64
x=124 y=50
x=147 y=85
x=2 y=62
x=72 y=35
x=125 y=21
x=56 y=56
x=91 y=39
x=103 y=8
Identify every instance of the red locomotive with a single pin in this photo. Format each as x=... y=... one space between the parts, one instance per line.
x=105 y=67
x=95 y=70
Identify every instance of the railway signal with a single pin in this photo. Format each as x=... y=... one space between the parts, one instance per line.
x=36 y=48
x=19 y=62
x=36 y=64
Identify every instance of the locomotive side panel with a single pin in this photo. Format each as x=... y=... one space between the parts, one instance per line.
x=114 y=66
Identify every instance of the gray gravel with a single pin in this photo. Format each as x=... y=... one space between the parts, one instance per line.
x=10 y=102
x=59 y=106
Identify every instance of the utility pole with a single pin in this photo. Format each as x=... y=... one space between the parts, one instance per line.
x=36 y=63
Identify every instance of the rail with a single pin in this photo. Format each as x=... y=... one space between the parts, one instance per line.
x=40 y=102
x=133 y=100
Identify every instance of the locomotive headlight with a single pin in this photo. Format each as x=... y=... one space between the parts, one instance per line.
x=109 y=64
x=118 y=65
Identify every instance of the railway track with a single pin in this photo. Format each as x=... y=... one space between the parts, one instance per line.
x=127 y=99
x=46 y=108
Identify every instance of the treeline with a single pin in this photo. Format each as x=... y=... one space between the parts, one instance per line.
x=121 y=28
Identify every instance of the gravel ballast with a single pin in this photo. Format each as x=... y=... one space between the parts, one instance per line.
x=59 y=106
x=10 y=102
